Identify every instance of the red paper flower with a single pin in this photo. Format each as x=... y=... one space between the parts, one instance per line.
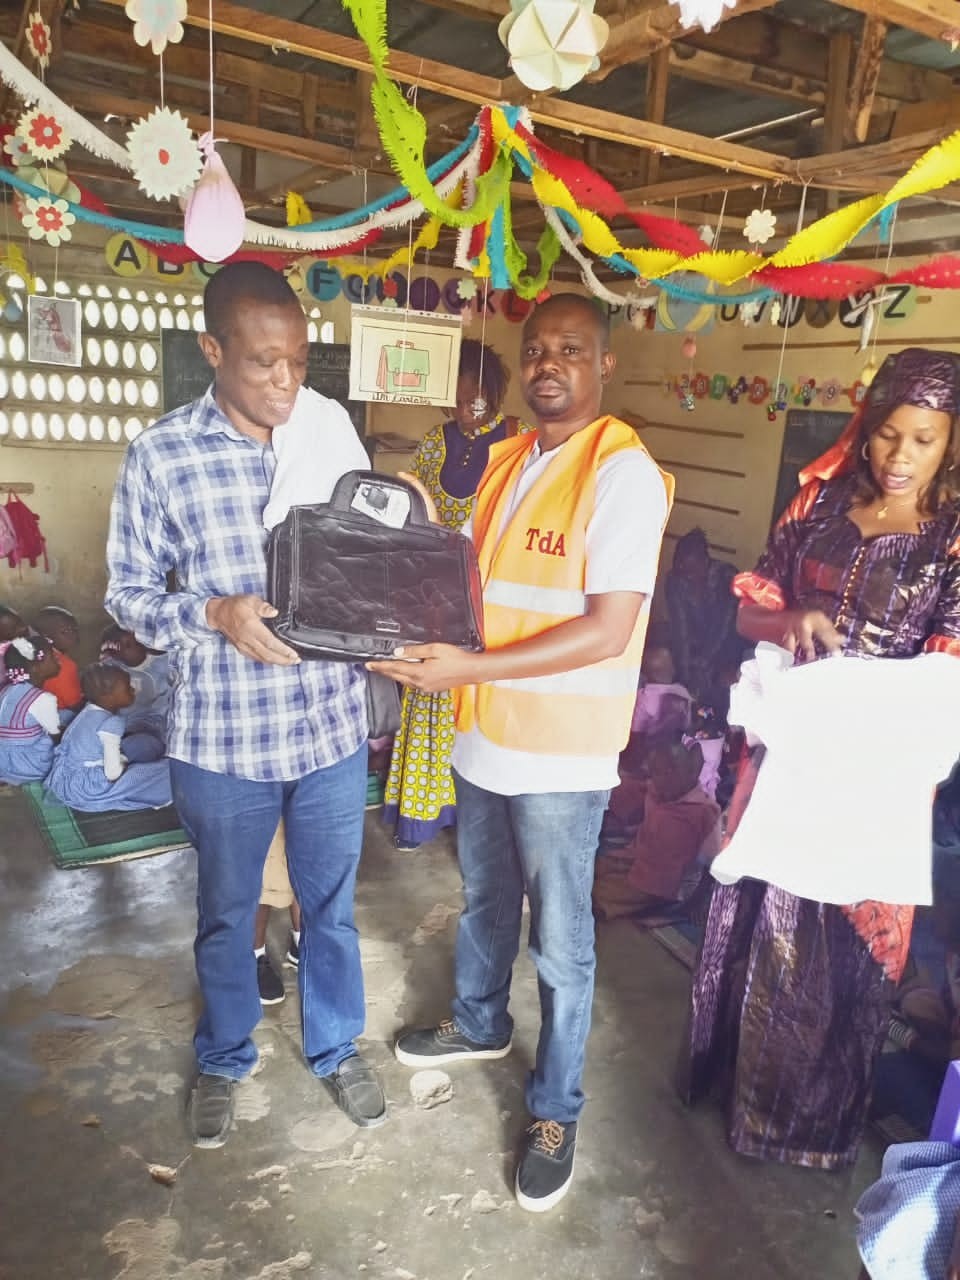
x=38 y=38
x=43 y=133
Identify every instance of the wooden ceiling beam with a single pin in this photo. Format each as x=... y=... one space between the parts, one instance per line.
x=658 y=80
x=866 y=73
x=933 y=18
x=264 y=29
x=628 y=131
x=268 y=31
x=762 y=40
x=338 y=159
x=863 y=162
x=654 y=27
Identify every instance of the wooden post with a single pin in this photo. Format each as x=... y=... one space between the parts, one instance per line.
x=839 y=57
x=658 y=77
x=866 y=74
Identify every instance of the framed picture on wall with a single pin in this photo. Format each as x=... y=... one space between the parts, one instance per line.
x=53 y=330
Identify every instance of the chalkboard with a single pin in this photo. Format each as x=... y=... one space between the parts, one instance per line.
x=808 y=433
x=186 y=375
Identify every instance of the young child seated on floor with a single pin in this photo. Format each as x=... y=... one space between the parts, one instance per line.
x=662 y=866
x=28 y=716
x=89 y=771
x=149 y=672
x=662 y=707
x=60 y=628
x=925 y=1022
x=276 y=891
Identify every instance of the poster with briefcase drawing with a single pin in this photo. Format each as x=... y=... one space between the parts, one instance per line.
x=404 y=357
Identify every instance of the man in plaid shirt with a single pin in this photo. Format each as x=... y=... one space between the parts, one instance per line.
x=254 y=733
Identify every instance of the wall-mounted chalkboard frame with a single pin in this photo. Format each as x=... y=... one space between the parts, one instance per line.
x=807 y=434
x=185 y=375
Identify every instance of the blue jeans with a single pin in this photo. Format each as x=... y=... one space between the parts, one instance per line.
x=231 y=822
x=544 y=846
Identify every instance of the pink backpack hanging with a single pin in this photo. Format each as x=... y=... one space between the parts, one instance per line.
x=8 y=535
x=30 y=542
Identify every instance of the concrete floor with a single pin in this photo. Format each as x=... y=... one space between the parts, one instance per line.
x=97 y=1002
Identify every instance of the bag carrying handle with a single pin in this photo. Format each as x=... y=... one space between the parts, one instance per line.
x=348 y=484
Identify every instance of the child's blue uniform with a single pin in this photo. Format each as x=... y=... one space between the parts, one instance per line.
x=145 y=723
x=26 y=749
x=78 y=777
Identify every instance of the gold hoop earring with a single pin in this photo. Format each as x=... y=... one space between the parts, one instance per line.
x=865 y=451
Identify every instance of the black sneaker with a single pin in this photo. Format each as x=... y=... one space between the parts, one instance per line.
x=292 y=957
x=545 y=1170
x=269 y=982
x=210 y=1112
x=445 y=1043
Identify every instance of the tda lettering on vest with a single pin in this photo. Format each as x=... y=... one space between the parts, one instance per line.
x=548 y=543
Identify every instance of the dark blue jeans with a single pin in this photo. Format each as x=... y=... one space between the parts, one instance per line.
x=546 y=846
x=231 y=822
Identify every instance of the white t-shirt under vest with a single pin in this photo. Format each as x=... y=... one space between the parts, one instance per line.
x=623 y=549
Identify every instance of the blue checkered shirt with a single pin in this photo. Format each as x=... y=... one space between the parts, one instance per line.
x=190 y=497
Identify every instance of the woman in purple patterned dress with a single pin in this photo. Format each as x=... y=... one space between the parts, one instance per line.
x=791 y=998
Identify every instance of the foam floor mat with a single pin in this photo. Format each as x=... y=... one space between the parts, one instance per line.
x=83 y=839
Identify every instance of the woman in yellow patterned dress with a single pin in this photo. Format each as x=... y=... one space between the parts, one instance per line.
x=452 y=457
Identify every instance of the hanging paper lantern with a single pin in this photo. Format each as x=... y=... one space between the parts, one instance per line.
x=553 y=43
x=703 y=13
x=43 y=133
x=164 y=155
x=760 y=226
x=38 y=38
x=48 y=220
x=214 y=219
x=155 y=22
x=53 y=178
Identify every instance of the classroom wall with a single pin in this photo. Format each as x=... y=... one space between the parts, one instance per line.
x=725 y=457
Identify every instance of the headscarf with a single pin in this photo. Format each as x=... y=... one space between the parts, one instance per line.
x=914 y=376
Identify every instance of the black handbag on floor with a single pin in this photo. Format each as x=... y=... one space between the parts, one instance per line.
x=354 y=578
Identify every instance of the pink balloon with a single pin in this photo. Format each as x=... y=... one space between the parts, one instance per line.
x=214 y=220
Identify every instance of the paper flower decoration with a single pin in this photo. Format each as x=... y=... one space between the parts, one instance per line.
x=43 y=133
x=706 y=234
x=553 y=43
x=38 y=38
x=214 y=219
x=703 y=13
x=48 y=220
x=164 y=154
x=19 y=151
x=155 y=22
x=466 y=288
x=760 y=226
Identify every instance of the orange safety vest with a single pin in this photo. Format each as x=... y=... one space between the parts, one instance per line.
x=534 y=578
